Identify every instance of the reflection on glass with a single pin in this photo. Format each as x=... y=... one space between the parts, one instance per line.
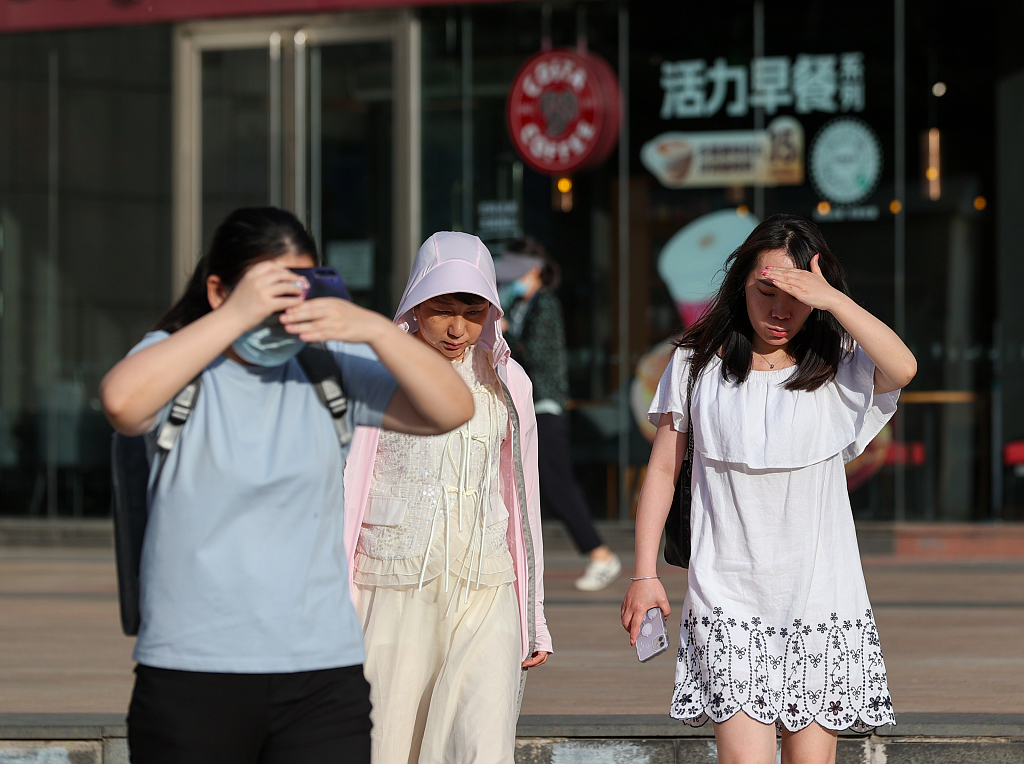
x=474 y=181
x=350 y=139
x=236 y=123
x=84 y=249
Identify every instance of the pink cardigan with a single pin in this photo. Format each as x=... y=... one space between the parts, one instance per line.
x=520 y=488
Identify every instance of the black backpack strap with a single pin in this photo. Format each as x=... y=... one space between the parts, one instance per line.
x=130 y=471
x=181 y=407
x=130 y=475
x=322 y=370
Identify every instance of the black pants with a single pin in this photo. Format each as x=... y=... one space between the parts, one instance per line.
x=559 y=490
x=190 y=717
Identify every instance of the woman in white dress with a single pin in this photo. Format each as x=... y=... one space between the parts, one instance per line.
x=792 y=380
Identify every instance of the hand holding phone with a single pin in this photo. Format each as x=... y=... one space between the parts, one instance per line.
x=323 y=282
x=652 y=639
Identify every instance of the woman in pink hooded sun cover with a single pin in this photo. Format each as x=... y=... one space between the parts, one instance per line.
x=443 y=535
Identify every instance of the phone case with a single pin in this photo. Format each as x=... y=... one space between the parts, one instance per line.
x=323 y=282
x=652 y=639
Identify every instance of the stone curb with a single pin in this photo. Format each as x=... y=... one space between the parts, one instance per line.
x=61 y=726
x=62 y=533
x=974 y=725
x=655 y=739
x=942 y=725
x=567 y=739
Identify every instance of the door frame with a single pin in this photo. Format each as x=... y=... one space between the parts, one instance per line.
x=283 y=36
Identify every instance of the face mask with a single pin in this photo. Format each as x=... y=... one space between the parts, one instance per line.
x=511 y=292
x=268 y=344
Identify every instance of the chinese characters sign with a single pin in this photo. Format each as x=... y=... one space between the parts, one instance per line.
x=823 y=83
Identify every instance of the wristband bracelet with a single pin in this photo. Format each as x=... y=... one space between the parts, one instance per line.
x=643 y=578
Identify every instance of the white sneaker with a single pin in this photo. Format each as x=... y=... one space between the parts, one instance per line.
x=599 y=574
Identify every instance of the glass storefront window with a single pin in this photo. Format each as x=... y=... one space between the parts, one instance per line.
x=238 y=150
x=84 y=249
x=351 y=133
x=470 y=57
x=848 y=133
x=895 y=127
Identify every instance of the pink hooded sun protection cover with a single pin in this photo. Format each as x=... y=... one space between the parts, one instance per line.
x=447 y=263
x=454 y=262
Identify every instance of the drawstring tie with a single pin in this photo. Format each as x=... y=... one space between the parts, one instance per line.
x=456 y=497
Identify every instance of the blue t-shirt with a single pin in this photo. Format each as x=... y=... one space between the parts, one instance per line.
x=243 y=565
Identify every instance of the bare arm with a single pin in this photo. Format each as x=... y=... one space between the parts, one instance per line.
x=431 y=397
x=895 y=365
x=652 y=510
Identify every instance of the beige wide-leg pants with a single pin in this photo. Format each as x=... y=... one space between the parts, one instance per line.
x=444 y=689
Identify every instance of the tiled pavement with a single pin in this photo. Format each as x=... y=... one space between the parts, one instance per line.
x=951 y=631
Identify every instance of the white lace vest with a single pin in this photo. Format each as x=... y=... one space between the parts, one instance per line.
x=435 y=505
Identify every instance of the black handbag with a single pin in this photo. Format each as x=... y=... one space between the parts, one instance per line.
x=677 y=524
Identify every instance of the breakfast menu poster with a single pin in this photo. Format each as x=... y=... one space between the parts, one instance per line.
x=770 y=157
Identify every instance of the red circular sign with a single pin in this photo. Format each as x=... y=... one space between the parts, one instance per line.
x=563 y=111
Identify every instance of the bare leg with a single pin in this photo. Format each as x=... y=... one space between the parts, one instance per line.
x=601 y=553
x=742 y=740
x=812 y=745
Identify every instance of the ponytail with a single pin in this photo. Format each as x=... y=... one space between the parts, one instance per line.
x=191 y=305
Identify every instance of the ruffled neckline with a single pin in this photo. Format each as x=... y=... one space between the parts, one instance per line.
x=762 y=425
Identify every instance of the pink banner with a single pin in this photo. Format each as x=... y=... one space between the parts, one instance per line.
x=26 y=15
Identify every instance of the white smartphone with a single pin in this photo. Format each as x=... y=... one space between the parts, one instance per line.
x=652 y=639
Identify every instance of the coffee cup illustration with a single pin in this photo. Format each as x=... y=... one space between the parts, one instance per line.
x=677 y=158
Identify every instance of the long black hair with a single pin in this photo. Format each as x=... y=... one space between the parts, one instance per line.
x=725 y=330
x=247 y=236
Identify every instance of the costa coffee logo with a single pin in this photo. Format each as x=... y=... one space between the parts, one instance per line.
x=563 y=111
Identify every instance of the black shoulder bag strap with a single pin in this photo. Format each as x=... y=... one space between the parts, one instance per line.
x=321 y=368
x=677 y=524
x=688 y=460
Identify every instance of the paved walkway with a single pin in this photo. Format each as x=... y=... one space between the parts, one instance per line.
x=951 y=632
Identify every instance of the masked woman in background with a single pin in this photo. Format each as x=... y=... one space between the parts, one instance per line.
x=249 y=651
x=445 y=535
x=535 y=330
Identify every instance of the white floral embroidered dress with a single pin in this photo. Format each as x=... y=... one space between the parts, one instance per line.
x=435 y=507
x=777 y=621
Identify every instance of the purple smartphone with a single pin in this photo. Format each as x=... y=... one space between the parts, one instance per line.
x=323 y=282
x=652 y=639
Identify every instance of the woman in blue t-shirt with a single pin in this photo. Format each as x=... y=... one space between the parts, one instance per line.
x=249 y=650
